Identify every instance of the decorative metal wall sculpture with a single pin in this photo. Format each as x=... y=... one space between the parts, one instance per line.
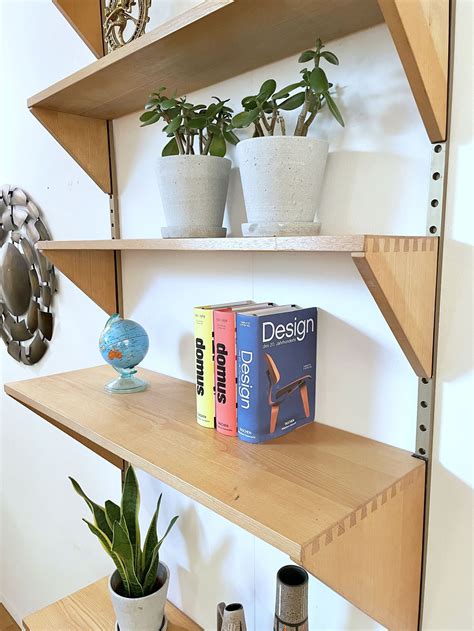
x=27 y=279
x=118 y=13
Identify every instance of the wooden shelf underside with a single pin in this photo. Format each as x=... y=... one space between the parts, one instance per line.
x=91 y=608
x=347 y=508
x=400 y=273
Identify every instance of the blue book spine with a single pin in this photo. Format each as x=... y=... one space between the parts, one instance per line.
x=247 y=377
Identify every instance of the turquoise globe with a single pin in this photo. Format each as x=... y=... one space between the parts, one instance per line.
x=124 y=344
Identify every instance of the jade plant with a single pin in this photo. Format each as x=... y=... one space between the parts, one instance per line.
x=118 y=531
x=311 y=94
x=204 y=129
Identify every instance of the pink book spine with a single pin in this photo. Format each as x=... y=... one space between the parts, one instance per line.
x=224 y=372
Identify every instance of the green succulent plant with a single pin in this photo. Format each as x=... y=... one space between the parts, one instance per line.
x=118 y=531
x=209 y=126
x=311 y=94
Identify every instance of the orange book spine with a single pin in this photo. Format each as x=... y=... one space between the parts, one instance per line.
x=225 y=372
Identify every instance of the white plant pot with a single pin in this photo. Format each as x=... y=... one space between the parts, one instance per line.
x=193 y=191
x=281 y=179
x=141 y=614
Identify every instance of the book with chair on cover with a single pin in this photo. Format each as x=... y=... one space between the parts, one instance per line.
x=225 y=366
x=276 y=371
x=204 y=360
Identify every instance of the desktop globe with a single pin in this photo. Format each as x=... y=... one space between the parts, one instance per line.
x=123 y=344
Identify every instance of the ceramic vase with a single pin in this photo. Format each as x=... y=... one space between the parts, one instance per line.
x=147 y=613
x=291 y=606
x=193 y=192
x=281 y=179
x=230 y=617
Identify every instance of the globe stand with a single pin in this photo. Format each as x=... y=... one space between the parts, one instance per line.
x=127 y=383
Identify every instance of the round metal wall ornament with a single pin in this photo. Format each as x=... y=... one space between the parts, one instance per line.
x=118 y=15
x=27 y=279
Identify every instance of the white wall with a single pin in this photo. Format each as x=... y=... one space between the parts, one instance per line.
x=376 y=182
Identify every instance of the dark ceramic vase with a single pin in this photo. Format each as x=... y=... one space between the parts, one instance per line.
x=291 y=606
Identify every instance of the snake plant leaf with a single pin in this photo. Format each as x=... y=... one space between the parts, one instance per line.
x=170 y=525
x=130 y=506
x=98 y=512
x=151 y=540
x=104 y=540
x=334 y=109
x=284 y=92
x=293 y=102
x=267 y=88
x=123 y=548
x=112 y=513
x=171 y=148
x=318 y=81
x=331 y=57
x=218 y=146
x=149 y=579
x=307 y=55
x=153 y=119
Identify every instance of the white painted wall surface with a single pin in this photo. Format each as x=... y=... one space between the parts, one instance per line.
x=377 y=182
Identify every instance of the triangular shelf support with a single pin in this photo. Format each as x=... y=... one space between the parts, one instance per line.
x=400 y=273
x=85 y=139
x=85 y=17
x=93 y=271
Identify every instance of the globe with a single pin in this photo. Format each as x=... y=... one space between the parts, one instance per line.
x=123 y=344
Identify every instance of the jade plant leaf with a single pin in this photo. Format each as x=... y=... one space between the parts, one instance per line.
x=154 y=118
x=307 y=55
x=218 y=146
x=318 y=81
x=293 y=102
x=267 y=88
x=171 y=148
x=173 y=125
x=331 y=57
x=334 y=109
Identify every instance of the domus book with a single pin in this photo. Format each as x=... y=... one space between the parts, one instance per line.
x=204 y=360
x=276 y=371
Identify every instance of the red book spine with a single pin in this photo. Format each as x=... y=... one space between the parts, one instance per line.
x=225 y=372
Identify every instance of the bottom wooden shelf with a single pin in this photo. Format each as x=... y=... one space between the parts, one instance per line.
x=91 y=609
x=347 y=508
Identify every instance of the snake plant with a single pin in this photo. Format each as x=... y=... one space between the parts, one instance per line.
x=118 y=531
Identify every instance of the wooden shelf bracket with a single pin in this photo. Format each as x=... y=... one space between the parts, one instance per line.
x=85 y=139
x=400 y=273
x=85 y=18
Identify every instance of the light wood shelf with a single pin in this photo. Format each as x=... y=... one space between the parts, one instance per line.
x=91 y=609
x=400 y=273
x=181 y=54
x=347 y=508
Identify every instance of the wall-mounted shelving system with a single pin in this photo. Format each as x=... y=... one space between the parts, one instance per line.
x=347 y=508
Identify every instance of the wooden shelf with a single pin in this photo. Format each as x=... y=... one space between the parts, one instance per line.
x=347 y=508
x=181 y=54
x=91 y=608
x=400 y=273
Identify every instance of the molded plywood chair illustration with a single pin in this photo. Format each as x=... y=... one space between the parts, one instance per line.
x=276 y=396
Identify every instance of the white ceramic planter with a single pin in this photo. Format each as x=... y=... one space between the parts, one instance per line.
x=141 y=614
x=281 y=179
x=193 y=191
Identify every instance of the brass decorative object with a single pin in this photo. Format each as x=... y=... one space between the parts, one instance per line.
x=118 y=15
x=27 y=279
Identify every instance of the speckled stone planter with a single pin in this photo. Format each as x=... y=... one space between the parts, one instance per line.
x=281 y=180
x=193 y=191
x=147 y=613
x=291 y=606
x=231 y=617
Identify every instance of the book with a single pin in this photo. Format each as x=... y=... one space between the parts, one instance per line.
x=204 y=358
x=276 y=371
x=225 y=366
